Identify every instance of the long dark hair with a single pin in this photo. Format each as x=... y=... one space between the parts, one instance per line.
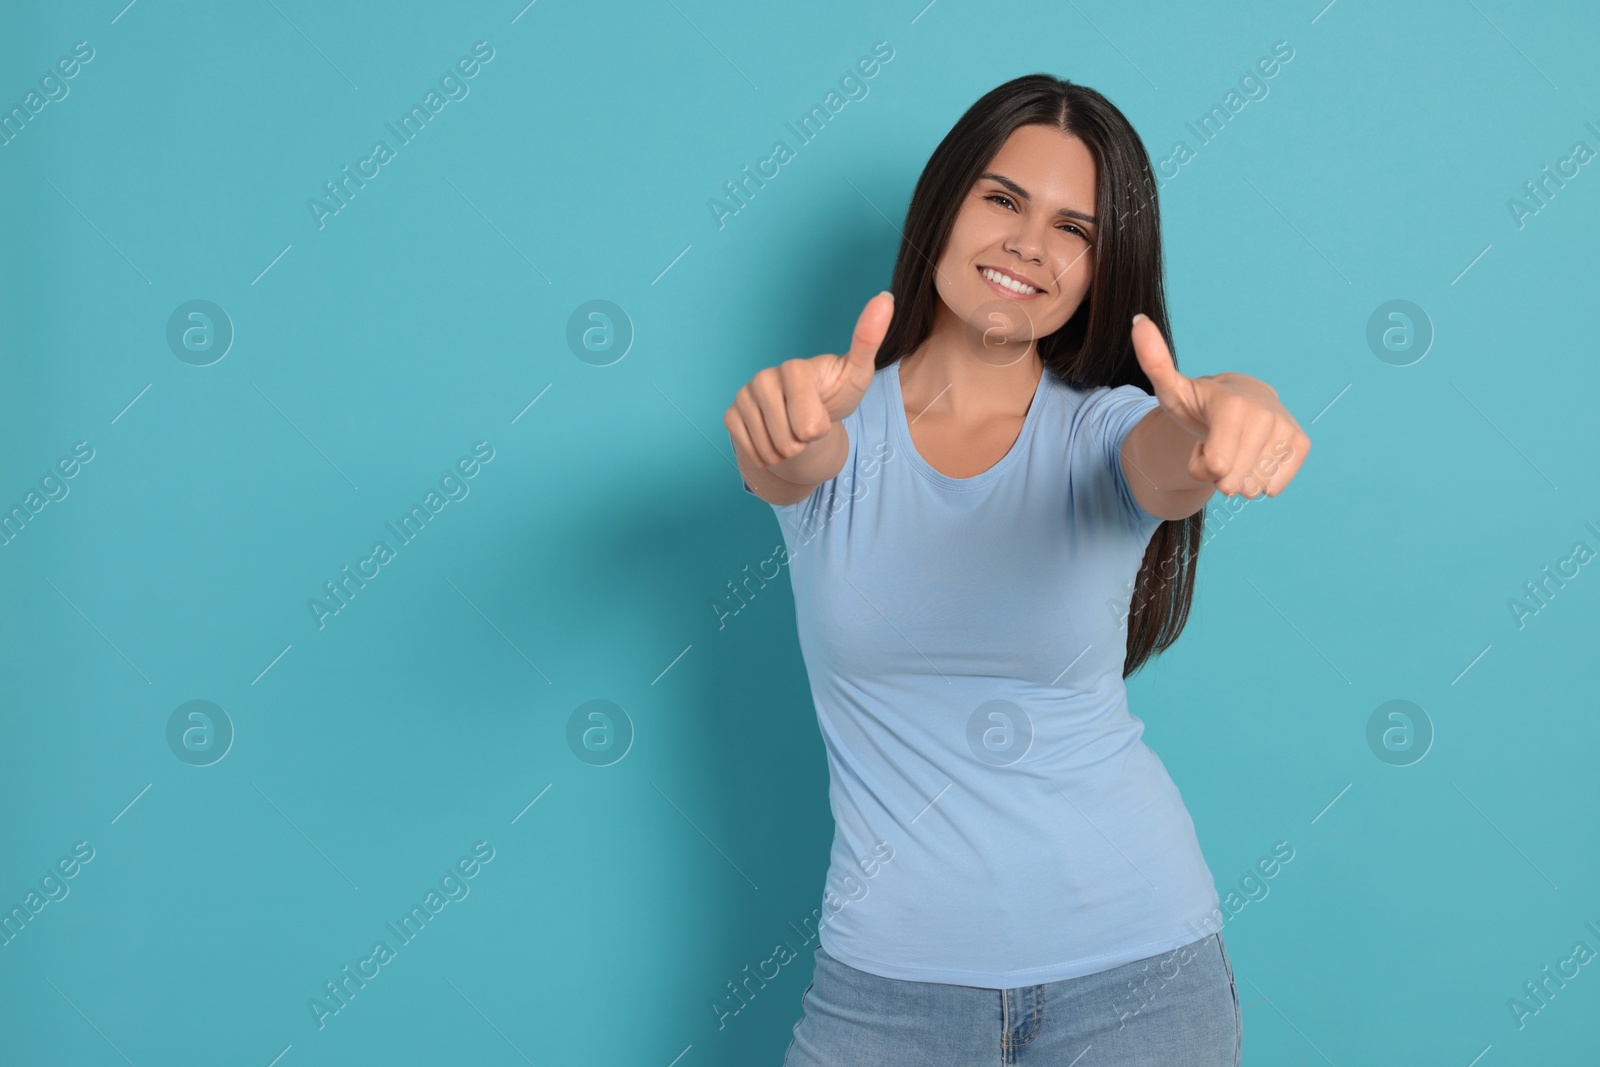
x=1092 y=348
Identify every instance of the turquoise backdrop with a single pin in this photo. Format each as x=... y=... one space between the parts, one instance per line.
x=240 y=346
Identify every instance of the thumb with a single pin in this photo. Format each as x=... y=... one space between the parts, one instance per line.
x=871 y=327
x=1155 y=358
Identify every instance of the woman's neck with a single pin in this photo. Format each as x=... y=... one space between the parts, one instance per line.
x=955 y=373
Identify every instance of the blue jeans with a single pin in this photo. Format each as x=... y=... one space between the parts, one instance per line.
x=1177 y=1009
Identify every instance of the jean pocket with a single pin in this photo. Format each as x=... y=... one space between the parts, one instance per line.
x=1233 y=990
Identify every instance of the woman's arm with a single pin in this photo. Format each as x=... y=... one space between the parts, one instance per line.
x=1155 y=458
x=792 y=480
x=1221 y=432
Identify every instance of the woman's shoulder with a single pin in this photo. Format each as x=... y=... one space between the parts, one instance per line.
x=1081 y=398
x=1085 y=411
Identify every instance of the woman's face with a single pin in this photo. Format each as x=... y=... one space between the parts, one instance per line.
x=1030 y=216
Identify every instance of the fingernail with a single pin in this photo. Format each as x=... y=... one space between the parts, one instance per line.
x=1139 y=318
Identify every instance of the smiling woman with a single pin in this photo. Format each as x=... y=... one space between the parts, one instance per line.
x=953 y=621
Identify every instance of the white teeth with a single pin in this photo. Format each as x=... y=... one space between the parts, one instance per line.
x=1001 y=279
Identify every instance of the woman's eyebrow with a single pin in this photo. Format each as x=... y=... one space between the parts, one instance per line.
x=1023 y=194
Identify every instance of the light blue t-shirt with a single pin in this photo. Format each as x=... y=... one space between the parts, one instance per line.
x=998 y=821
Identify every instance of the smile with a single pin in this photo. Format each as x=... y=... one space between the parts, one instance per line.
x=1007 y=285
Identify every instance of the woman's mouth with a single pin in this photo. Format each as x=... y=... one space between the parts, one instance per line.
x=1007 y=286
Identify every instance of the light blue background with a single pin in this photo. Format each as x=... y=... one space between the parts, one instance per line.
x=433 y=710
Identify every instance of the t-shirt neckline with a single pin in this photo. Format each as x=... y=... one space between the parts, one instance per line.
x=897 y=414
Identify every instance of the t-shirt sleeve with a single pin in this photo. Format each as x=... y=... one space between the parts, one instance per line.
x=1109 y=414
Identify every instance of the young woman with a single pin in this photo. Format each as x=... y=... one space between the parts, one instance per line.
x=1004 y=472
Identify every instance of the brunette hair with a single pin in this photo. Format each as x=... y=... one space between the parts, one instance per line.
x=1093 y=347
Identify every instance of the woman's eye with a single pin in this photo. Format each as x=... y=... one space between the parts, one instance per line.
x=1005 y=201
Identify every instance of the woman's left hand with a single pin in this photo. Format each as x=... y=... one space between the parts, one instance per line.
x=1247 y=442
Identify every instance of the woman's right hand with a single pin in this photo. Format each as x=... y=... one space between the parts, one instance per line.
x=781 y=410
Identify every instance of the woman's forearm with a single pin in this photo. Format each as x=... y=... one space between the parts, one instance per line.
x=1155 y=460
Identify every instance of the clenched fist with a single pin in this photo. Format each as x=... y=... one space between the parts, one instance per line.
x=781 y=410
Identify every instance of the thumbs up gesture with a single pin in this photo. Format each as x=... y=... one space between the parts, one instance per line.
x=783 y=409
x=1246 y=442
